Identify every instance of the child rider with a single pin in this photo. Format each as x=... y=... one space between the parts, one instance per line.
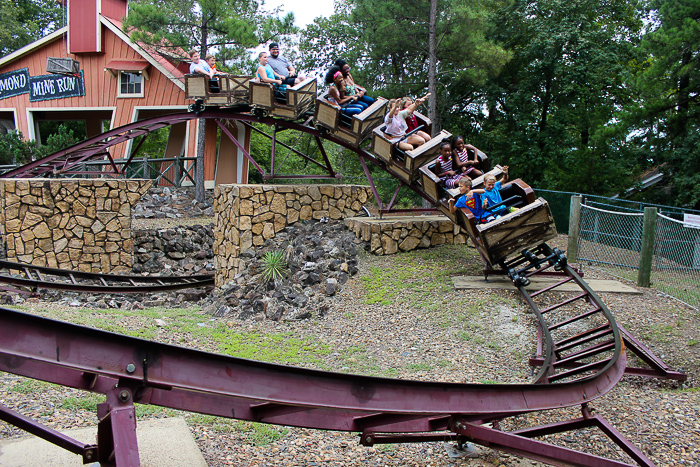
x=492 y=193
x=471 y=200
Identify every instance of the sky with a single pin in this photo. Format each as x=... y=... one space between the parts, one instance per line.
x=305 y=11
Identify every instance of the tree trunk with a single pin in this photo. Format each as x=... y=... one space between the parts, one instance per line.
x=201 y=130
x=546 y=100
x=432 y=68
x=679 y=127
x=199 y=174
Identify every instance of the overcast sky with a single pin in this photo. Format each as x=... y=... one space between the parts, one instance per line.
x=305 y=11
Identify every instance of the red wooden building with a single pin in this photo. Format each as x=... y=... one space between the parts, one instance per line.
x=120 y=82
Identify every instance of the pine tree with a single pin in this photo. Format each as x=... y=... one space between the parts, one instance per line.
x=224 y=25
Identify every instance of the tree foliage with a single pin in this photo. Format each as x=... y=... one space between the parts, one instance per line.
x=25 y=21
x=387 y=44
x=665 y=117
x=227 y=27
x=548 y=109
x=15 y=150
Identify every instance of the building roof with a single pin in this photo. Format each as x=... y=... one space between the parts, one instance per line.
x=149 y=53
x=19 y=53
x=158 y=61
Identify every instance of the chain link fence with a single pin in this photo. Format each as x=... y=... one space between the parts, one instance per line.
x=560 y=204
x=613 y=241
x=610 y=238
x=676 y=266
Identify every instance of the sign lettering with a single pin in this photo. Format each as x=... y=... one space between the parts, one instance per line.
x=14 y=83
x=48 y=87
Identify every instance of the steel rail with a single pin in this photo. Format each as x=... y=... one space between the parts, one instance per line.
x=187 y=379
x=34 y=279
x=604 y=344
x=226 y=386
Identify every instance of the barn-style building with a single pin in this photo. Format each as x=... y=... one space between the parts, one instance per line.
x=119 y=82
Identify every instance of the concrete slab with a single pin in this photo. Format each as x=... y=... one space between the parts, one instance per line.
x=503 y=283
x=165 y=441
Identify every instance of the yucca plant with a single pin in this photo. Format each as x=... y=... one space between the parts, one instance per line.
x=274 y=266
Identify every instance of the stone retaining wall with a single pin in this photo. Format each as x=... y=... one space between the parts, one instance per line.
x=248 y=215
x=83 y=225
x=389 y=235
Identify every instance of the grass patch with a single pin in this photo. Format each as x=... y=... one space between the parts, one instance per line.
x=390 y=372
x=261 y=434
x=418 y=367
x=88 y=402
x=463 y=335
x=416 y=277
x=29 y=386
x=217 y=424
x=662 y=333
x=147 y=410
x=279 y=348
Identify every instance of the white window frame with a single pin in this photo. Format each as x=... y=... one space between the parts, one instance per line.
x=128 y=95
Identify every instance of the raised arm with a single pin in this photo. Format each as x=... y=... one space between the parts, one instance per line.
x=412 y=108
x=394 y=108
x=504 y=178
x=199 y=69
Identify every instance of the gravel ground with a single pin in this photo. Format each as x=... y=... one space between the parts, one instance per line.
x=437 y=334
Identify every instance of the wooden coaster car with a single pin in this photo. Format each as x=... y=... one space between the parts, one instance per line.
x=352 y=129
x=297 y=101
x=434 y=188
x=406 y=164
x=527 y=227
x=226 y=90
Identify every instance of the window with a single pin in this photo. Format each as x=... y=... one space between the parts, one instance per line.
x=130 y=84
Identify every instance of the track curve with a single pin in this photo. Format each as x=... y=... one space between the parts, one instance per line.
x=97 y=146
x=185 y=379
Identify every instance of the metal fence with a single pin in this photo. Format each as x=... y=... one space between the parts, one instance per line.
x=607 y=237
x=613 y=241
x=166 y=171
x=560 y=204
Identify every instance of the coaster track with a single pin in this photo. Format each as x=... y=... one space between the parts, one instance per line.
x=28 y=279
x=581 y=355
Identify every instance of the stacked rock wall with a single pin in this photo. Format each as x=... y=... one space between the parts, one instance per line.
x=83 y=225
x=248 y=215
x=389 y=235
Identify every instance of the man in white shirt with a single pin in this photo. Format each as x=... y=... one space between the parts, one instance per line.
x=282 y=68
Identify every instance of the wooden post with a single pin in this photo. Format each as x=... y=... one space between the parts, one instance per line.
x=574 y=219
x=647 y=254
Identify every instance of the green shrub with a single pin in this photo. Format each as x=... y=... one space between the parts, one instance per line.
x=274 y=266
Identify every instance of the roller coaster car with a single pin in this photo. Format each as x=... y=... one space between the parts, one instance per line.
x=226 y=90
x=529 y=226
x=299 y=99
x=434 y=188
x=352 y=129
x=405 y=164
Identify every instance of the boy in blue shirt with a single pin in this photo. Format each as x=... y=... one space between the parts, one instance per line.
x=471 y=200
x=492 y=195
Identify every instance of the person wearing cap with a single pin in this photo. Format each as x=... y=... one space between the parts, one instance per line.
x=282 y=68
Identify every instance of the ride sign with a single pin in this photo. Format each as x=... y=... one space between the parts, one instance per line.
x=48 y=87
x=14 y=83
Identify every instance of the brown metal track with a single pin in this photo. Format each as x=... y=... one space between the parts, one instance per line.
x=582 y=353
x=28 y=279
